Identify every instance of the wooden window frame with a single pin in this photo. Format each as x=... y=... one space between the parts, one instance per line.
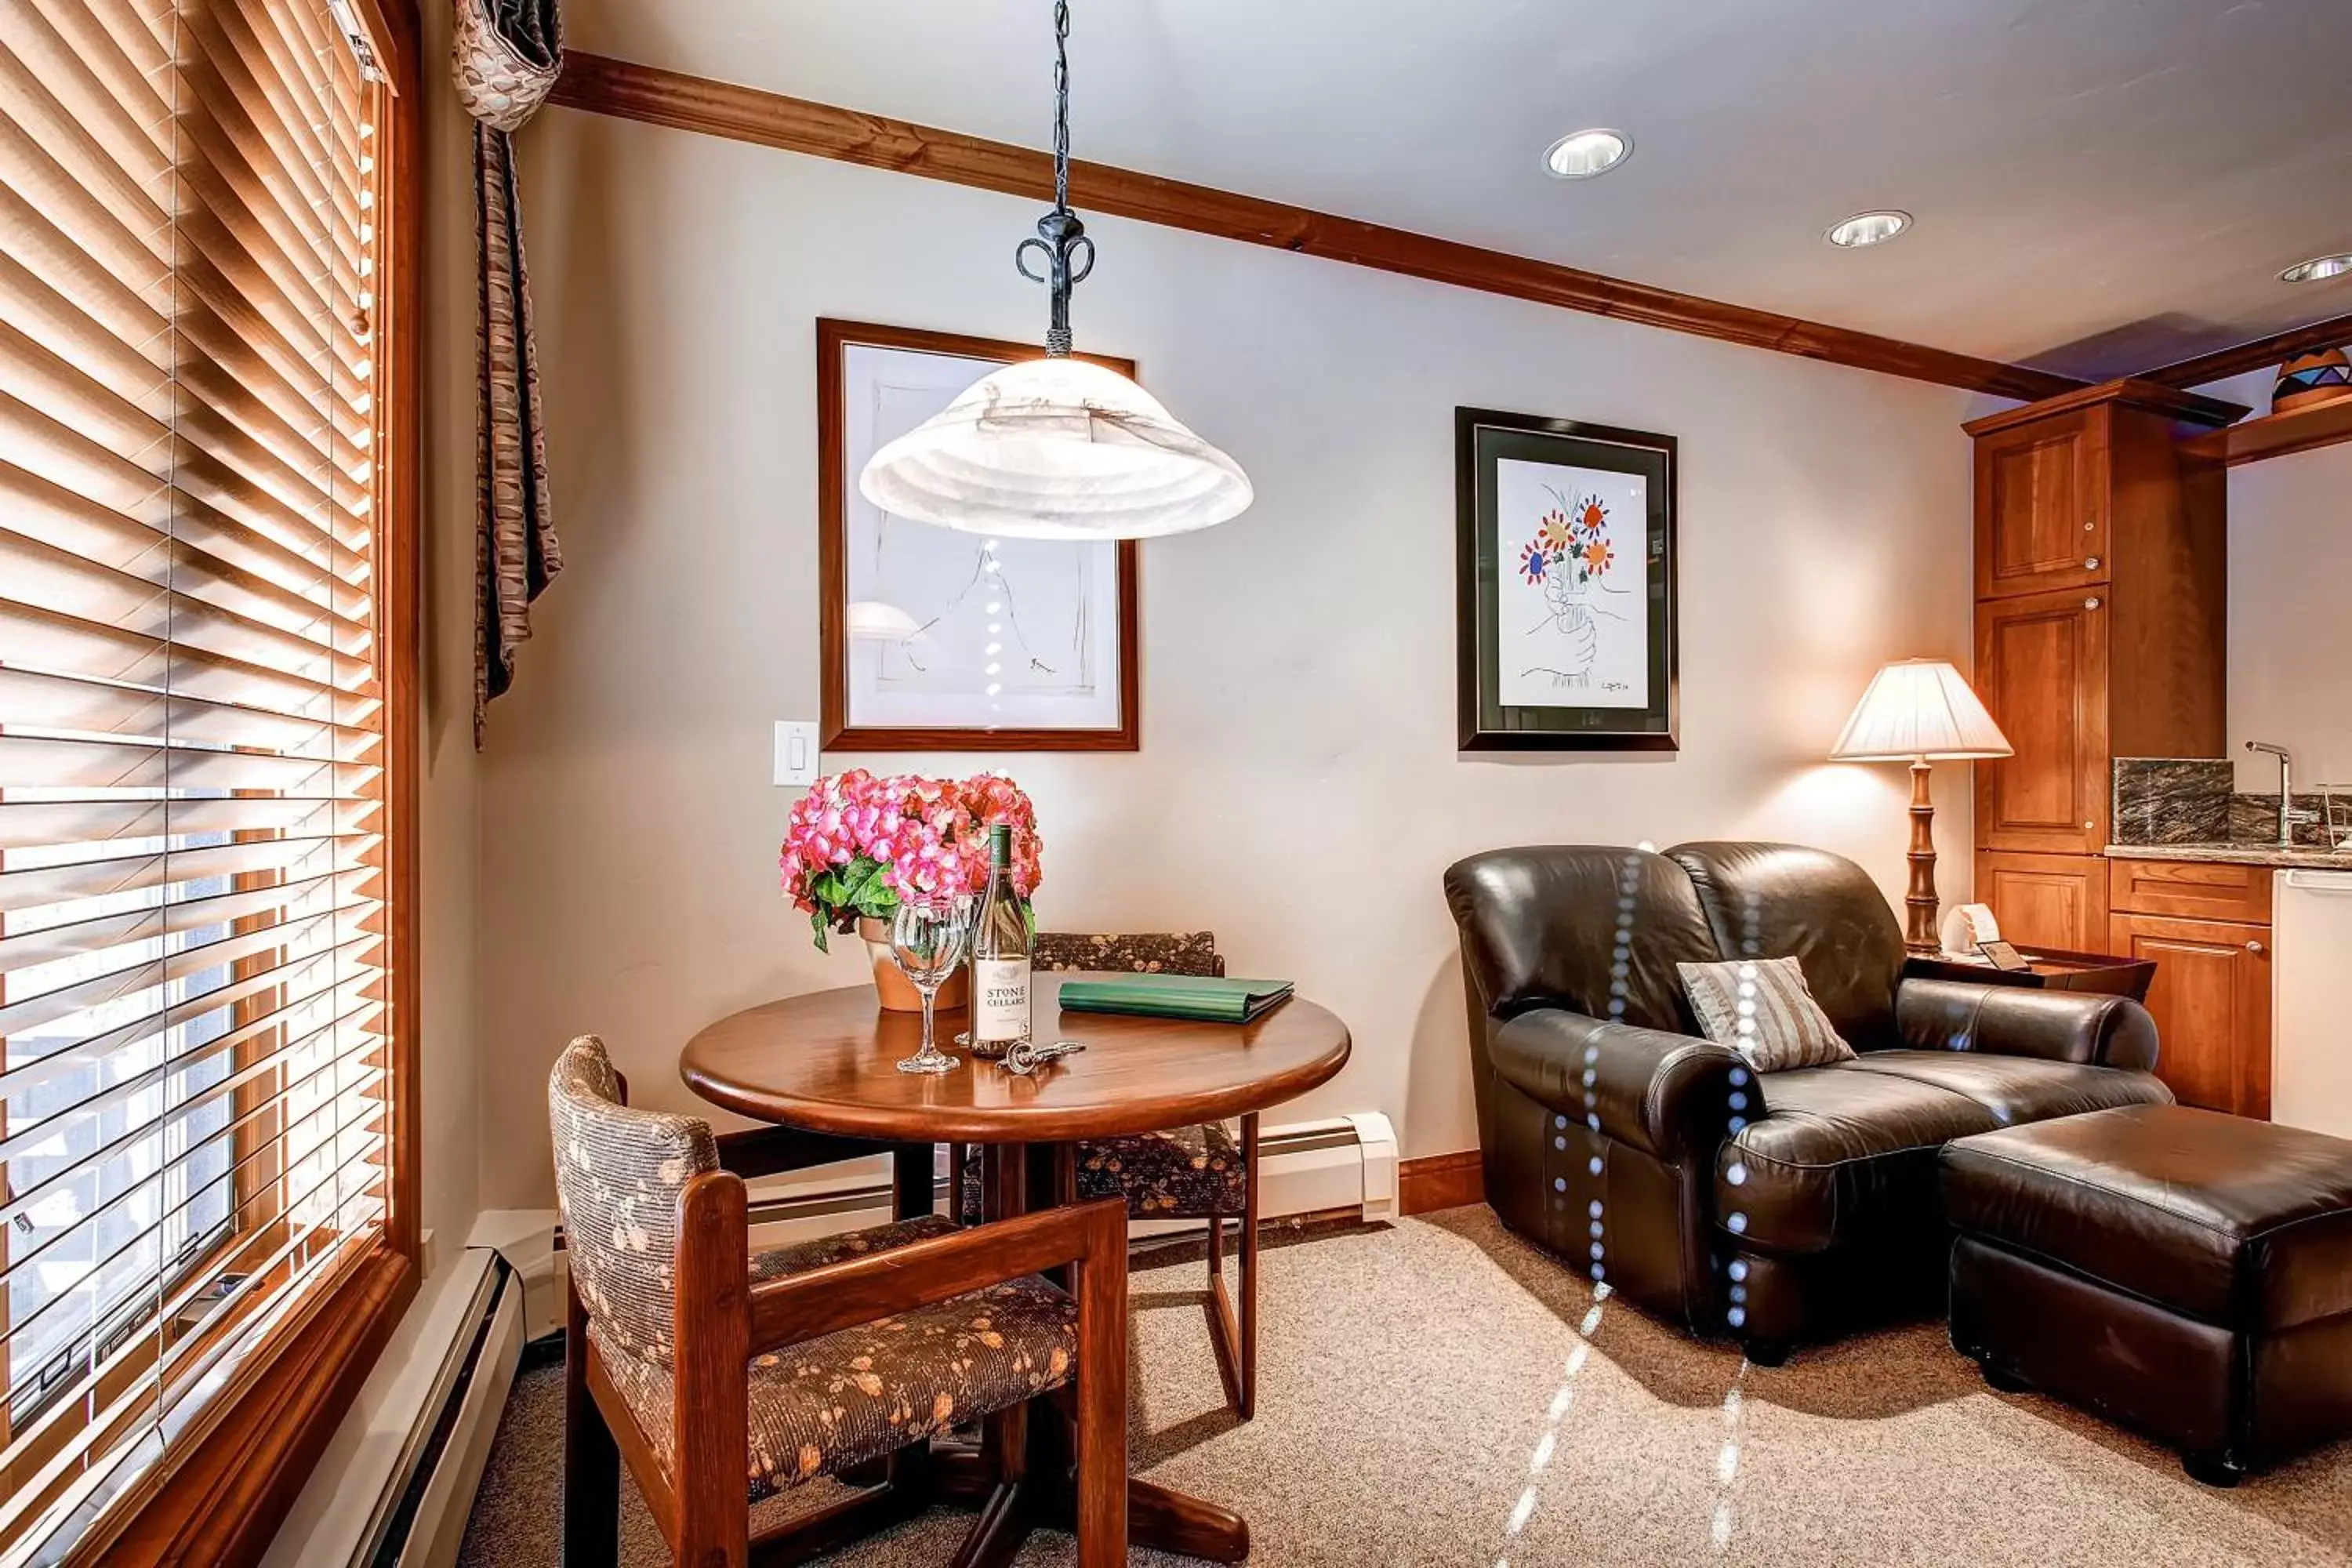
x=219 y=1504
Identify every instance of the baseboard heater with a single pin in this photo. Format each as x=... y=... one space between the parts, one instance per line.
x=397 y=1484
x=1341 y=1165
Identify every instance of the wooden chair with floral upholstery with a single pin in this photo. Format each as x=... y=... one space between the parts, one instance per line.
x=725 y=1376
x=1187 y=1173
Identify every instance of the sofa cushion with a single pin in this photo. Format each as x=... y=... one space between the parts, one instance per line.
x=618 y=1176
x=1784 y=900
x=1838 y=1155
x=1549 y=927
x=2019 y=1089
x=825 y=1404
x=2236 y=1223
x=1761 y=1008
x=1140 y=953
x=1184 y=1172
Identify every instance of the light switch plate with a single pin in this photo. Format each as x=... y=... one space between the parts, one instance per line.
x=796 y=759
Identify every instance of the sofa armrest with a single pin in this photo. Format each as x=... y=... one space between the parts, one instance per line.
x=2025 y=1021
x=1671 y=1096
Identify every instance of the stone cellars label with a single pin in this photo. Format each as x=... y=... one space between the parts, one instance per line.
x=1000 y=955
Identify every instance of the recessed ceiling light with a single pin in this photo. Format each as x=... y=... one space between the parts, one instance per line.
x=1581 y=154
x=1869 y=228
x=2317 y=268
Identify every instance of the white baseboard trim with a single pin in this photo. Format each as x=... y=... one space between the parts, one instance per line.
x=1341 y=1163
x=453 y=1355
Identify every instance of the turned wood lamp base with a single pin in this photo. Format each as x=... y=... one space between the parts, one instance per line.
x=1919 y=934
x=1915 y=711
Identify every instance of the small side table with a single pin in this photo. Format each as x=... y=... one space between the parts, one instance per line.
x=2054 y=969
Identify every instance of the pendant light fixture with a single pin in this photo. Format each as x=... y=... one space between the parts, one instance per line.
x=1057 y=447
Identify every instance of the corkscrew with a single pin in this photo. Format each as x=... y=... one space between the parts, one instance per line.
x=1026 y=1055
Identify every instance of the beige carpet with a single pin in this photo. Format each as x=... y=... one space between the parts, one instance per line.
x=1439 y=1392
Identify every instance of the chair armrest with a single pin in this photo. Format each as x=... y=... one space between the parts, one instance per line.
x=884 y=1284
x=2081 y=1026
x=1668 y=1094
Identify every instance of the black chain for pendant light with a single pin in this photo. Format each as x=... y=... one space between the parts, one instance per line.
x=1062 y=104
x=1069 y=255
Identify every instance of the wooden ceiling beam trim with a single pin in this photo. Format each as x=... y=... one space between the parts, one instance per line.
x=655 y=96
x=2332 y=333
x=2185 y=409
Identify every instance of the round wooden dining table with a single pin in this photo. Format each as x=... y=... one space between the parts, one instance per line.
x=825 y=1063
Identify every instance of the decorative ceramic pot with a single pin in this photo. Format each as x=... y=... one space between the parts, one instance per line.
x=2307 y=381
x=898 y=993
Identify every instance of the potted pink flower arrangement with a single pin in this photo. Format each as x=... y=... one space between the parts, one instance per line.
x=859 y=845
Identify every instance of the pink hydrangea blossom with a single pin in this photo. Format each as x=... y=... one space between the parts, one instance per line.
x=859 y=845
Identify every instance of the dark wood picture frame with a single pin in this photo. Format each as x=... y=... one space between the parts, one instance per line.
x=834 y=338
x=1482 y=438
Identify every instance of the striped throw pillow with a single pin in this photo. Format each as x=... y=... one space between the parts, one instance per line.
x=1761 y=1008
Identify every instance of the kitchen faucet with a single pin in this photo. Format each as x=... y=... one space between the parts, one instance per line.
x=2286 y=789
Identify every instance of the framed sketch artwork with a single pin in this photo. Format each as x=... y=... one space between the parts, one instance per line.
x=936 y=641
x=1565 y=585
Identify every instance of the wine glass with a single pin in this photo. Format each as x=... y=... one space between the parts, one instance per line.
x=927 y=939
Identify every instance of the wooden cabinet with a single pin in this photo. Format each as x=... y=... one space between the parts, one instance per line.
x=2102 y=587
x=2041 y=506
x=2212 y=1000
x=2192 y=889
x=2042 y=669
x=2046 y=901
x=2206 y=926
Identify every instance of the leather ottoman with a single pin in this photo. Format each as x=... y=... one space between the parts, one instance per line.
x=2179 y=1271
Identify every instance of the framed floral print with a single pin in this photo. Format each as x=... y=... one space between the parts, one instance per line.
x=1565 y=602
x=934 y=640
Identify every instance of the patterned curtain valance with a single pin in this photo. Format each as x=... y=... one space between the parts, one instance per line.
x=507 y=55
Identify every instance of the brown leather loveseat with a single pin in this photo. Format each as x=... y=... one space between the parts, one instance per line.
x=1777 y=1208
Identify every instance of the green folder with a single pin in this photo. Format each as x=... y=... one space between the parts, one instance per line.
x=1200 y=997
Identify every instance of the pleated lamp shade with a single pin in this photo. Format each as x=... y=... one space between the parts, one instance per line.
x=1920 y=708
x=1056 y=448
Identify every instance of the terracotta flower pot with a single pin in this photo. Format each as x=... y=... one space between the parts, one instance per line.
x=895 y=992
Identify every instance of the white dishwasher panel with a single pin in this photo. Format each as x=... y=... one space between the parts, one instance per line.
x=2311 y=1059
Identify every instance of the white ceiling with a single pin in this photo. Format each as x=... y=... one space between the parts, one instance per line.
x=2101 y=185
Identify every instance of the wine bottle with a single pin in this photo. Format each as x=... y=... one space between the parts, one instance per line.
x=1000 y=957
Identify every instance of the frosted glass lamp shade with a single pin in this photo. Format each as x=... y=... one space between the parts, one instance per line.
x=1056 y=448
x=1920 y=708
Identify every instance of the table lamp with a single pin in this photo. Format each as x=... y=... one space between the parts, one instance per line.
x=1919 y=711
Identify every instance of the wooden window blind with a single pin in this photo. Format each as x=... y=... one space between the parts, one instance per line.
x=195 y=1103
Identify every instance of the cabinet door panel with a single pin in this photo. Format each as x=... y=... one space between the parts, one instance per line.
x=2041 y=516
x=2046 y=901
x=2042 y=669
x=2211 y=999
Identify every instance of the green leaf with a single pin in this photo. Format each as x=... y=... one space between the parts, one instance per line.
x=816 y=924
x=866 y=891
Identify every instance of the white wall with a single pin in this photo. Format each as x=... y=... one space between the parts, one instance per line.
x=2290 y=642
x=450 y=804
x=1298 y=791
x=2289 y=570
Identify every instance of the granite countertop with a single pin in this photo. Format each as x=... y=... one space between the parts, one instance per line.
x=2307 y=855
x=2189 y=808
